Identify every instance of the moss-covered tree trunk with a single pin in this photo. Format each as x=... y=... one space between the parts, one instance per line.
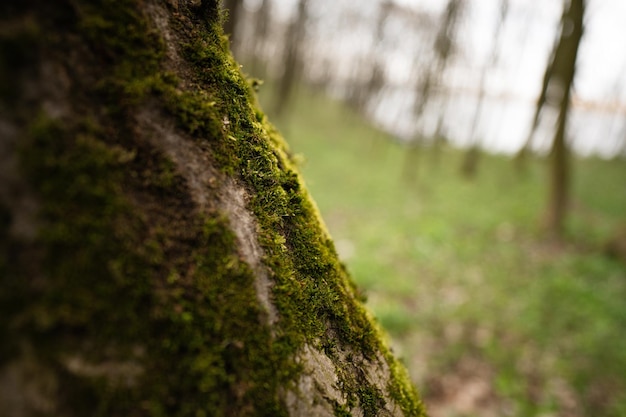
x=159 y=255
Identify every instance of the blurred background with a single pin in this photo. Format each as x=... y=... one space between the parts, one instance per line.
x=469 y=159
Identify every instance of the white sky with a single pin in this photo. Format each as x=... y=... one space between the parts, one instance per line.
x=529 y=33
x=525 y=44
x=602 y=55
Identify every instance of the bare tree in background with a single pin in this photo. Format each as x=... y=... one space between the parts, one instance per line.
x=444 y=47
x=262 y=23
x=558 y=85
x=292 y=59
x=360 y=95
x=470 y=161
x=521 y=157
x=232 y=21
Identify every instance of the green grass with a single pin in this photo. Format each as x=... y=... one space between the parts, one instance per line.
x=458 y=272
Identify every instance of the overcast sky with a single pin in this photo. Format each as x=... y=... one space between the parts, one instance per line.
x=525 y=43
x=527 y=39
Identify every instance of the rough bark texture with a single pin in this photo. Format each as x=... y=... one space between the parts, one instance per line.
x=159 y=253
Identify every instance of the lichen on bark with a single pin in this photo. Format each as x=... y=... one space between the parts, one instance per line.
x=177 y=265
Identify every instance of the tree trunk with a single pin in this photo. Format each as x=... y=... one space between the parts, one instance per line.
x=261 y=33
x=159 y=254
x=431 y=81
x=561 y=78
x=231 y=23
x=469 y=167
x=292 y=59
x=521 y=157
x=559 y=178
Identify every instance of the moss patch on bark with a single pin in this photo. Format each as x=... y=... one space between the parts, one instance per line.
x=133 y=275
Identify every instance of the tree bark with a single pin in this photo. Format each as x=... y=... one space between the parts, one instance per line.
x=561 y=78
x=159 y=254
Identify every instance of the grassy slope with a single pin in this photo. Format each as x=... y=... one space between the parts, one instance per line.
x=460 y=276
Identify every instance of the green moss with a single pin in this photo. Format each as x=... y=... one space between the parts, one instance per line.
x=401 y=389
x=72 y=171
x=205 y=346
x=370 y=399
x=341 y=410
x=120 y=38
x=222 y=362
x=118 y=224
x=312 y=287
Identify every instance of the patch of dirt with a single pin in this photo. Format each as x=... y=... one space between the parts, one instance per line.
x=467 y=389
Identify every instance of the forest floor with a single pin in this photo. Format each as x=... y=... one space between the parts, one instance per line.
x=490 y=317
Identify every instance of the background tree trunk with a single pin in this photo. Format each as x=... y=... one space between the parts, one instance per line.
x=232 y=22
x=292 y=61
x=159 y=254
x=469 y=167
x=261 y=32
x=560 y=76
x=521 y=157
x=444 y=47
